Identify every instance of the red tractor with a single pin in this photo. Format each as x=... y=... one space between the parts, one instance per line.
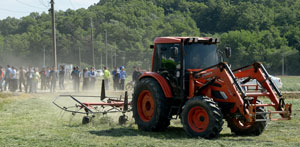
x=189 y=81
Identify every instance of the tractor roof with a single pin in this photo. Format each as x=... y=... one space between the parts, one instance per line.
x=190 y=39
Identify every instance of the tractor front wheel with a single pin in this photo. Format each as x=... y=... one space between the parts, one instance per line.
x=150 y=107
x=201 y=117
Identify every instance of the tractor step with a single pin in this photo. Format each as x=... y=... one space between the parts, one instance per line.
x=173 y=109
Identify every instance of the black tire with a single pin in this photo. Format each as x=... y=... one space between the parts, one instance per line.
x=129 y=86
x=86 y=120
x=123 y=119
x=159 y=121
x=211 y=118
x=254 y=129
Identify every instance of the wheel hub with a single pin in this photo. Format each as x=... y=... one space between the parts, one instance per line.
x=198 y=119
x=145 y=105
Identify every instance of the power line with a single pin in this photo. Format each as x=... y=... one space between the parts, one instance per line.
x=29 y=5
x=3 y=9
x=42 y=3
x=71 y=4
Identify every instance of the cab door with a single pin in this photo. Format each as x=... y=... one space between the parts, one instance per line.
x=166 y=62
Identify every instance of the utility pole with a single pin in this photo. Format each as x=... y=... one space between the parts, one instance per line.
x=53 y=33
x=79 y=56
x=101 y=59
x=116 y=58
x=44 y=57
x=92 y=40
x=282 y=70
x=106 y=48
x=112 y=58
x=124 y=58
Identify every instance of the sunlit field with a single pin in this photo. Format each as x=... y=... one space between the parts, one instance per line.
x=32 y=120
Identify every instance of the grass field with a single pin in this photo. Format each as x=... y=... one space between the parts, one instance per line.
x=32 y=120
x=290 y=83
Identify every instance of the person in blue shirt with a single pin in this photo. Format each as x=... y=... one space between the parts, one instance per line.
x=7 y=77
x=122 y=77
x=116 y=78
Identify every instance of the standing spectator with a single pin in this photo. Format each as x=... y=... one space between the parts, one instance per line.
x=7 y=77
x=1 y=78
x=73 y=78
x=43 y=74
x=116 y=78
x=29 y=76
x=35 y=80
x=76 y=78
x=106 y=78
x=135 y=75
x=13 y=85
x=122 y=77
x=93 y=77
x=22 y=78
x=139 y=73
x=48 y=77
x=53 y=78
x=61 y=77
x=86 y=78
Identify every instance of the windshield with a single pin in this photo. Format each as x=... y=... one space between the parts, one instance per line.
x=199 y=56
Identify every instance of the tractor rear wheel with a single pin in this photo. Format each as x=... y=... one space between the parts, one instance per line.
x=243 y=128
x=201 y=117
x=150 y=107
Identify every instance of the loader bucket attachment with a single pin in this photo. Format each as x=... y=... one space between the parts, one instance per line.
x=265 y=88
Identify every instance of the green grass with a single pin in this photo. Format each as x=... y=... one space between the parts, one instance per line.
x=35 y=121
x=290 y=83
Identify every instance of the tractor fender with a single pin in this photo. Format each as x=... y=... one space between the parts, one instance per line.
x=162 y=82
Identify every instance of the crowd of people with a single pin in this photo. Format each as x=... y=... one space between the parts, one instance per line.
x=119 y=76
x=89 y=77
x=28 y=79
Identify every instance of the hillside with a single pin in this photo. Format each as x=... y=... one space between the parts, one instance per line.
x=256 y=30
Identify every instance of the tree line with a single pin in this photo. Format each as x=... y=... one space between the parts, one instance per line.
x=257 y=30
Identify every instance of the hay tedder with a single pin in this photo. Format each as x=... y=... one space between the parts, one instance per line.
x=90 y=109
x=190 y=81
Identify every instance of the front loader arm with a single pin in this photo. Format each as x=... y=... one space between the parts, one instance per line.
x=222 y=76
x=258 y=72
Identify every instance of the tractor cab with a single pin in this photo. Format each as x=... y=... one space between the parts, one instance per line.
x=198 y=53
x=173 y=57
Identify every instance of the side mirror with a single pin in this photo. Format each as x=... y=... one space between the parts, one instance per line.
x=228 y=52
x=152 y=46
x=174 y=52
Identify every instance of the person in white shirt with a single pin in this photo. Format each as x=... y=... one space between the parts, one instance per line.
x=93 y=77
x=13 y=85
